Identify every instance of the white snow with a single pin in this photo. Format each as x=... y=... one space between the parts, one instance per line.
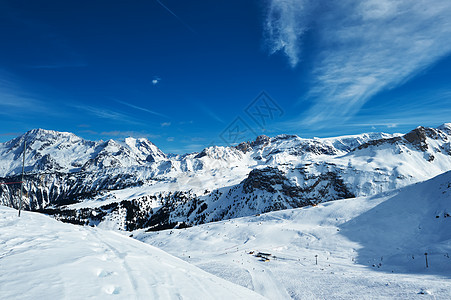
x=41 y=258
x=367 y=248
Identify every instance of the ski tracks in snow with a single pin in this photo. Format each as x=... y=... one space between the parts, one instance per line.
x=264 y=283
x=113 y=254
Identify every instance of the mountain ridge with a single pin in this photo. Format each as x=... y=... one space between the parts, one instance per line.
x=130 y=183
x=139 y=151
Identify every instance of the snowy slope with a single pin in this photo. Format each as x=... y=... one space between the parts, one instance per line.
x=367 y=248
x=41 y=258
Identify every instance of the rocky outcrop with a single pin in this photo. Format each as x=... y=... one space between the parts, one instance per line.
x=59 y=189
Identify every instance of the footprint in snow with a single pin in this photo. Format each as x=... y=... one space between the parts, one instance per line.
x=112 y=290
x=102 y=273
x=104 y=257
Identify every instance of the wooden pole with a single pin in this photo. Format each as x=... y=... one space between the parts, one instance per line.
x=23 y=169
x=426 y=255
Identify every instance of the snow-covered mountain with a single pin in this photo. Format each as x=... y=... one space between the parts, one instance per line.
x=361 y=248
x=64 y=152
x=132 y=184
x=52 y=151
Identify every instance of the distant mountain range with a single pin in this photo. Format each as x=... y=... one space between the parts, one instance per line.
x=132 y=184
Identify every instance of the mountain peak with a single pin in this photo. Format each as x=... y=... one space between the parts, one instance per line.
x=41 y=132
x=42 y=135
x=445 y=127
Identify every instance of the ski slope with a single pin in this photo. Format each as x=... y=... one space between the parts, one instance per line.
x=41 y=258
x=367 y=248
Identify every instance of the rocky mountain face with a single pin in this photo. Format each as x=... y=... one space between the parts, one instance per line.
x=132 y=184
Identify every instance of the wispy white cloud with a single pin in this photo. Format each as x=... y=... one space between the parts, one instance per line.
x=286 y=23
x=127 y=133
x=156 y=80
x=186 y=122
x=364 y=47
x=198 y=139
x=190 y=148
x=59 y=65
x=176 y=16
x=11 y=134
x=165 y=124
x=426 y=108
x=141 y=108
x=89 y=131
x=100 y=112
x=105 y=113
x=120 y=133
x=14 y=100
x=210 y=113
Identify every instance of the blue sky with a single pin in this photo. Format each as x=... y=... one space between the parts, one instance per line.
x=188 y=74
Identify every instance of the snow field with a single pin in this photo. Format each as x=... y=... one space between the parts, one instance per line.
x=367 y=248
x=45 y=259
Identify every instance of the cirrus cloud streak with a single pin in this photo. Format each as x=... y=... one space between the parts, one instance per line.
x=364 y=47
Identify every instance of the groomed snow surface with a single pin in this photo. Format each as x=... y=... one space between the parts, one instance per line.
x=41 y=258
x=366 y=248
